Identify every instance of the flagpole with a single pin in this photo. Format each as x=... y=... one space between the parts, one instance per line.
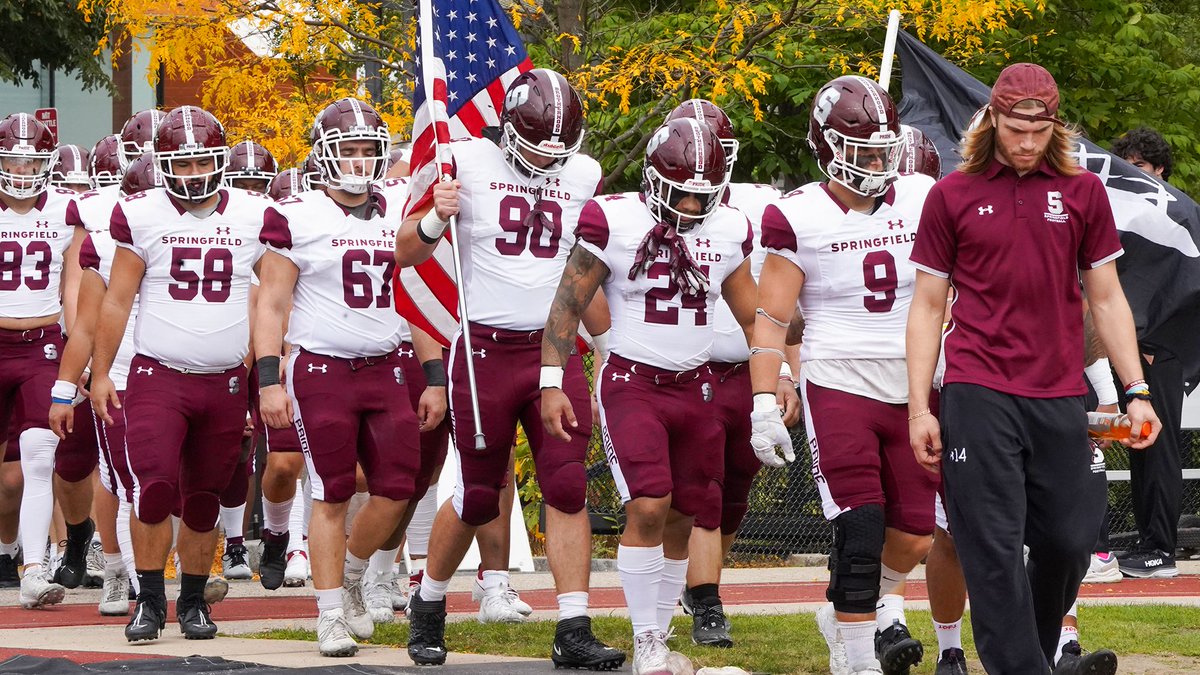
x=425 y=22
x=889 y=49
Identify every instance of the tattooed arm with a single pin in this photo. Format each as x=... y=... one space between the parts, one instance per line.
x=581 y=278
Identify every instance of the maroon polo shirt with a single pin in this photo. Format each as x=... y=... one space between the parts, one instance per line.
x=1012 y=246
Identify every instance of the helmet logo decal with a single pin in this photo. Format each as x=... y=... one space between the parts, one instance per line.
x=657 y=139
x=698 y=139
x=516 y=96
x=825 y=103
x=188 y=129
x=358 y=113
x=558 y=108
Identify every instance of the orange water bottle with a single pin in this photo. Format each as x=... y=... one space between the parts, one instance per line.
x=1113 y=427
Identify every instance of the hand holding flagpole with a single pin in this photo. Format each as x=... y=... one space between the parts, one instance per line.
x=433 y=77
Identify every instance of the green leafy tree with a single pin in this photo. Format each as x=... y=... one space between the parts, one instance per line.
x=52 y=34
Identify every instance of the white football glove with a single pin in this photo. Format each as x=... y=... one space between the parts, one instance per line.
x=768 y=434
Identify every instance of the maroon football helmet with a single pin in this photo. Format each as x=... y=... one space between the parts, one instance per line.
x=343 y=121
x=709 y=112
x=919 y=155
x=70 y=168
x=684 y=158
x=137 y=135
x=26 y=151
x=249 y=161
x=310 y=173
x=191 y=133
x=543 y=115
x=854 y=125
x=141 y=175
x=105 y=168
x=286 y=183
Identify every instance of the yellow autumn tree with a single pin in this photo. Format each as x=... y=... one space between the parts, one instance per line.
x=265 y=68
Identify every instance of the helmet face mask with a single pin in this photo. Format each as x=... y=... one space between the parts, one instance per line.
x=541 y=123
x=26 y=155
x=854 y=131
x=351 y=145
x=190 y=149
x=684 y=159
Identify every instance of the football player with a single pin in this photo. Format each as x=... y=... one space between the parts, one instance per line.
x=186 y=251
x=840 y=248
x=517 y=201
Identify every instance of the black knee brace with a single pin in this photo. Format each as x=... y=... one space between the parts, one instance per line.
x=854 y=563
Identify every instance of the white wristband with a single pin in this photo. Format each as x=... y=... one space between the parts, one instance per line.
x=600 y=344
x=1100 y=375
x=785 y=370
x=431 y=228
x=64 y=390
x=765 y=403
x=552 y=377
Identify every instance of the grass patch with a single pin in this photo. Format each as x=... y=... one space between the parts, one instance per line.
x=791 y=643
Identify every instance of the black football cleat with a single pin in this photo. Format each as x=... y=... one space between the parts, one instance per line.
x=576 y=647
x=427 y=631
x=897 y=650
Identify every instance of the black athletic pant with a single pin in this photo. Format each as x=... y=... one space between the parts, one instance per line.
x=1019 y=471
x=1156 y=473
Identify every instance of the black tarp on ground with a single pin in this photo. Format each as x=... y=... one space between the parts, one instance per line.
x=202 y=664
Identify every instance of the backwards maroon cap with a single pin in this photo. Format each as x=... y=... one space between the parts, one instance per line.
x=1023 y=82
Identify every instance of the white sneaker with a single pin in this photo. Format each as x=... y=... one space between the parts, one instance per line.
x=1103 y=568
x=114 y=596
x=510 y=596
x=235 y=563
x=873 y=667
x=399 y=589
x=354 y=608
x=495 y=608
x=650 y=653
x=296 y=572
x=95 y=565
x=37 y=591
x=379 y=601
x=827 y=623
x=333 y=634
x=215 y=590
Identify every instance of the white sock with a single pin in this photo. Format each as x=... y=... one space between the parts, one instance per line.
x=276 y=515
x=949 y=635
x=890 y=580
x=571 y=605
x=355 y=567
x=1074 y=611
x=889 y=608
x=674 y=578
x=379 y=569
x=231 y=520
x=125 y=541
x=421 y=525
x=9 y=549
x=1068 y=634
x=113 y=565
x=641 y=570
x=860 y=643
x=37 y=499
x=433 y=590
x=328 y=599
x=494 y=581
x=416 y=566
x=358 y=501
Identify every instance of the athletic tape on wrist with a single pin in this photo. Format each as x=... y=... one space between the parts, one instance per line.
x=268 y=371
x=431 y=228
x=435 y=373
x=64 y=390
x=551 y=377
x=1099 y=374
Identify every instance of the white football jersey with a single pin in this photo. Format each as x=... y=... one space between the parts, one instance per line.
x=652 y=321
x=342 y=305
x=32 y=245
x=195 y=294
x=93 y=209
x=511 y=268
x=751 y=199
x=97 y=254
x=858 y=279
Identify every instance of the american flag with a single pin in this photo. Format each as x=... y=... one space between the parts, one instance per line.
x=476 y=54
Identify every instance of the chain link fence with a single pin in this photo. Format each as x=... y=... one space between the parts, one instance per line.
x=785 y=517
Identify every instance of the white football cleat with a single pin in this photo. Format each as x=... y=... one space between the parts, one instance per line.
x=333 y=635
x=37 y=591
x=650 y=653
x=827 y=623
x=495 y=608
x=296 y=572
x=354 y=609
x=379 y=602
x=114 y=596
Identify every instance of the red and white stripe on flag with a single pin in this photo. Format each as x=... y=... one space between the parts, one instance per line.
x=465 y=98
